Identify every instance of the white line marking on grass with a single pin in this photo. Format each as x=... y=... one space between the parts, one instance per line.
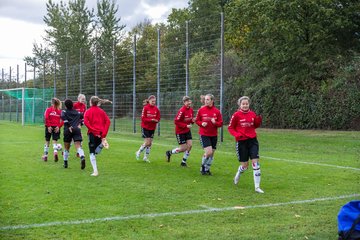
x=272 y=158
x=154 y=215
x=312 y=163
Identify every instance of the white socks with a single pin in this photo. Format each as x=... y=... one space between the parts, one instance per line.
x=93 y=162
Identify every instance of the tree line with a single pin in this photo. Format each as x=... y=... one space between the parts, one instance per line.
x=297 y=60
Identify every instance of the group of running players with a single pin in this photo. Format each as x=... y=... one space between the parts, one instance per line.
x=242 y=126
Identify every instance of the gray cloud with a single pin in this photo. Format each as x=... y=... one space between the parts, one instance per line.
x=131 y=12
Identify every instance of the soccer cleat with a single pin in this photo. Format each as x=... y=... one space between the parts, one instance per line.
x=183 y=164
x=202 y=170
x=94 y=174
x=237 y=178
x=65 y=164
x=105 y=143
x=82 y=162
x=44 y=158
x=258 y=190
x=137 y=155
x=56 y=157
x=146 y=160
x=168 y=155
x=208 y=172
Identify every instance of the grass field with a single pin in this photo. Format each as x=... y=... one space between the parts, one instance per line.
x=306 y=175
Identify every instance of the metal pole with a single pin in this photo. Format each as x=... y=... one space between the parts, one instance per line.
x=25 y=83
x=66 y=75
x=187 y=59
x=158 y=75
x=17 y=97
x=113 y=66
x=43 y=88
x=134 y=85
x=23 y=107
x=3 y=106
x=25 y=75
x=55 y=76
x=10 y=97
x=222 y=75
x=33 y=106
x=96 y=73
x=80 y=77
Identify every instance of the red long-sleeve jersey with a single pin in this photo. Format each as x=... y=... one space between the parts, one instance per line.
x=148 y=113
x=205 y=114
x=80 y=107
x=52 y=117
x=183 y=118
x=97 y=121
x=243 y=124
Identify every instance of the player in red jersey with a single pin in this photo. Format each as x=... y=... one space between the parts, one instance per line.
x=242 y=126
x=53 y=123
x=98 y=123
x=183 y=123
x=209 y=119
x=150 y=116
x=80 y=105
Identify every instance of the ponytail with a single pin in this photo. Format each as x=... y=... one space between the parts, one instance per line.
x=96 y=101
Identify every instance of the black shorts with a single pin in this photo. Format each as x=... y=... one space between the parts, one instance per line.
x=94 y=142
x=147 y=133
x=74 y=135
x=247 y=149
x=55 y=136
x=183 y=137
x=207 y=141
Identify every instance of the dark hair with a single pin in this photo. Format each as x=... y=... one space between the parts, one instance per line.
x=68 y=103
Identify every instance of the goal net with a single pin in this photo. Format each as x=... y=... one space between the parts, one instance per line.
x=25 y=105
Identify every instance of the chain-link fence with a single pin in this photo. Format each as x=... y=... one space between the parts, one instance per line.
x=186 y=60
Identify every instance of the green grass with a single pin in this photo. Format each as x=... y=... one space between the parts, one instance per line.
x=35 y=192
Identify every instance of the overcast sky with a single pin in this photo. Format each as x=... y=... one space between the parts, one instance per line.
x=21 y=23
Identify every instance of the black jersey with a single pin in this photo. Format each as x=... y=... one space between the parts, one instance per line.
x=71 y=118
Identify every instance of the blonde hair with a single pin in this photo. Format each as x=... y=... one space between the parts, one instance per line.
x=56 y=103
x=211 y=96
x=81 y=96
x=185 y=98
x=146 y=101
x=243 y=98
x=96 y=101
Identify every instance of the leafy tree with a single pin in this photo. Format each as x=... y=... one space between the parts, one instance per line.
x=108 y=26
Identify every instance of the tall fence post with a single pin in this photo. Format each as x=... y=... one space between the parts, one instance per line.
x=113 y=93
x=17 y=95
x=10 y=97
x=22 y=106
x=158 y=74
x=2 y=95
x=96 y=92
x=33 y=103
x=25 y=76
x=80 y=71
x=222 y=74
x=55 y=76
x=134 y=85
x=43 y=87
x=187 y=60
x=66 y=75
